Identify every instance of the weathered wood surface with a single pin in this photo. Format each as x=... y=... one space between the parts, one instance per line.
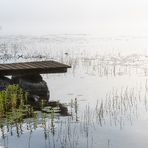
x=38 y=67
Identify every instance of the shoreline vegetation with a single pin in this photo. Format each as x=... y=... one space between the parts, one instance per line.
x=14 y=105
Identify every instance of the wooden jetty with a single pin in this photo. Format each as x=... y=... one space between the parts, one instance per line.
x=37 y=67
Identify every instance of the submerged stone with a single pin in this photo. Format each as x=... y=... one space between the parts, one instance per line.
x=62 y=108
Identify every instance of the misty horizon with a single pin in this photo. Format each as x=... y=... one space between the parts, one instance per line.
x=115 y=17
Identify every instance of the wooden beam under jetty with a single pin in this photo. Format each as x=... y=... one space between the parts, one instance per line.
x=36 y=67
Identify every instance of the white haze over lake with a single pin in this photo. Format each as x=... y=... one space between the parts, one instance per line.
x=103 y=17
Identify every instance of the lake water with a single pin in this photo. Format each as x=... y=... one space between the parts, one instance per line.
x=106 y=89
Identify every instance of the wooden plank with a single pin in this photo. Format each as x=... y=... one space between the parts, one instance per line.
x=40 y=67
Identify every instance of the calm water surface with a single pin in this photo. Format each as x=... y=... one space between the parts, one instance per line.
x=106 y=91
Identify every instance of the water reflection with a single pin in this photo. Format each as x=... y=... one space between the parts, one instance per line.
x=109 y=116
x=119 y=108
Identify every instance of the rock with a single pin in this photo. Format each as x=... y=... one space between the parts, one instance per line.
x=4 y=82
x=37 y=89
x=35 y=86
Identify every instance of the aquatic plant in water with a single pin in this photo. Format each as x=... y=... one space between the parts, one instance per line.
x=13 y=103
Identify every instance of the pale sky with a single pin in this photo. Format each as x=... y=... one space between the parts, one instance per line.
x=74 y=16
